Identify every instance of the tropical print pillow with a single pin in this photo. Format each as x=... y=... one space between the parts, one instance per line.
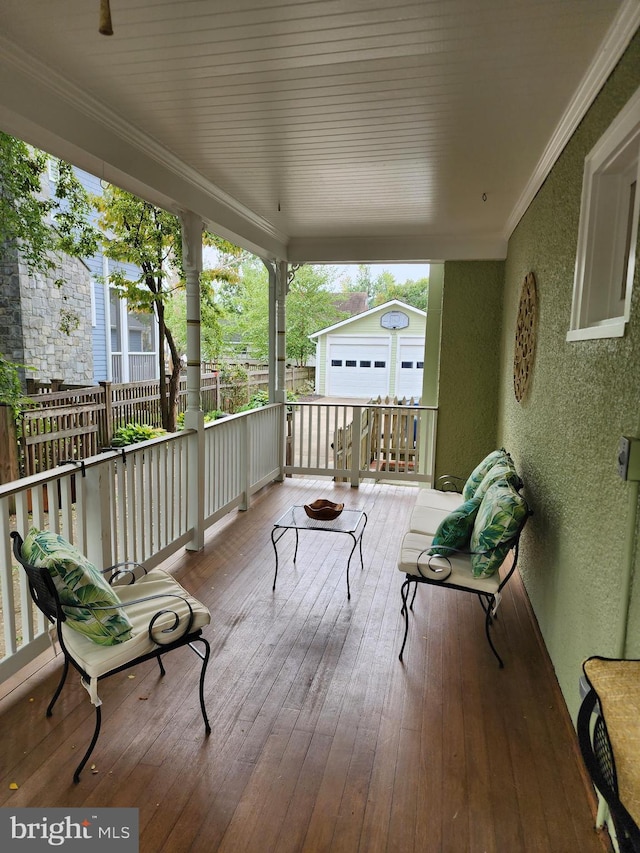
x=503 y=470
x=501 y=514
x=79 y=583
x=454 y=531
x=480 y=471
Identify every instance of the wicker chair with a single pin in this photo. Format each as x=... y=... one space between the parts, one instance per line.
x=163 y=616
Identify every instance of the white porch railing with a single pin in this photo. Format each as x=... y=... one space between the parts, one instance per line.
x=129 y=505
x=142 y=503
x=362 y=442
x=141 y=366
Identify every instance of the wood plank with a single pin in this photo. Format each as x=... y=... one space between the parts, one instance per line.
x=322 y=740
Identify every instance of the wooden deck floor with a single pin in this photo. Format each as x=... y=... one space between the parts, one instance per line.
x=321 y=739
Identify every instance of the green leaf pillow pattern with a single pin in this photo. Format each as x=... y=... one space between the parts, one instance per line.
x=480 y=471
x=501 y=514
x=503 y=470
x=79 y=583
x=454 y=531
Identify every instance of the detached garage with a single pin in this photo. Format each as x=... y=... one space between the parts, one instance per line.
x=377 y=353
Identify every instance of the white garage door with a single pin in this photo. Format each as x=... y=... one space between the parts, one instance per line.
x=358 y=369
x=410 y=369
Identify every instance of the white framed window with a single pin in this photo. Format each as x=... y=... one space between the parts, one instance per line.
x=608 y=230
x=92 y=289
x=54 y=171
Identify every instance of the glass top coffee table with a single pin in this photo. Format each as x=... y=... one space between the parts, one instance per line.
x=350 y=521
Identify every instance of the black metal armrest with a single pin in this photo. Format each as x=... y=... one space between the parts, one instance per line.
x=450 y=483
x=122 y=574
x=179 y=625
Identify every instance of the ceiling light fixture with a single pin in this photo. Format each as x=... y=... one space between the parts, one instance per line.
x=105 y=27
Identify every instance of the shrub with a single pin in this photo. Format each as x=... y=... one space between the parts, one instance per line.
x=135 y=433
x=208 y=417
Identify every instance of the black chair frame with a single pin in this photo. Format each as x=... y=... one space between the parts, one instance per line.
x=599 y=760
x=45 y=596
x=487 y=600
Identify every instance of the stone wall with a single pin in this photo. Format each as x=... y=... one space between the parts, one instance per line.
x=11 y=342
x=56 y=323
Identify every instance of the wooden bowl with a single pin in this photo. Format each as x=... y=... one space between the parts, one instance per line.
x=323 y=510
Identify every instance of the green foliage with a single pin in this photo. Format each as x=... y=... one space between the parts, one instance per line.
x=138 y=233
x=133 y=433
x=383 y=288
x=211 y=324
x=261 y=398
x=256 y=401
x=11 y=387
x=310 y=307
x=27 y=217
x=215 y=415
x=413 y=293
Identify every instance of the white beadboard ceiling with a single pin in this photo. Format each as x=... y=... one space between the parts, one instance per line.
x=316 y=129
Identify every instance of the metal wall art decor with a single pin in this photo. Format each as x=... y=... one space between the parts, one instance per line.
x=525 y=342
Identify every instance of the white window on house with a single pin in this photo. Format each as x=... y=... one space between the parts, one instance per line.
x=114 y=318
x=608 y=230
x=92 y=289
x=54 y=171
x=141 y=333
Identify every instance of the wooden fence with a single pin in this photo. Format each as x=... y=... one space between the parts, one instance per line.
x=76 y=423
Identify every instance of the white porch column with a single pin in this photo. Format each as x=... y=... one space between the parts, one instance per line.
x=281 y=287
x=278 y=286
x=431 y=373
x=271 y=269
x=192 y=227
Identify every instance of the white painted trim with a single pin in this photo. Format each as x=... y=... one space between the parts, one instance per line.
x=32 y=82
x=611 y=50
x=612 y=329
x=596 y=227
x=426 y=248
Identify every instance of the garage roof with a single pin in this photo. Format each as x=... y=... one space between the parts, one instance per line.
x=392 y=305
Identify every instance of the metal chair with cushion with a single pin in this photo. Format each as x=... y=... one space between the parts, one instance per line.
x=608 y=729
x=108 y=621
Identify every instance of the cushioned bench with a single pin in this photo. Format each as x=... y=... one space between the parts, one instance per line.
x=460 y=540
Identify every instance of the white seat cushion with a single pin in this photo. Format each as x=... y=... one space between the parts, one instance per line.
x=436 y=499
x=412 y=548
x=98 y=660
x=426 y=519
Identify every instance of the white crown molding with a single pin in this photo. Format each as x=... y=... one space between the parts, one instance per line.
x=53 y=82
x=426 y=248
x=613 y=46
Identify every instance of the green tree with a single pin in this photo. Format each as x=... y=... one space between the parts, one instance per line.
x=246 y=306
x=412 y=292
x=310 y=307
x=42 y=226
x=138 y=233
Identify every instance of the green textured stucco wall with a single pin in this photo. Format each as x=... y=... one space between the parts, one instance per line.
x=469 y=364
x=583 y=396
